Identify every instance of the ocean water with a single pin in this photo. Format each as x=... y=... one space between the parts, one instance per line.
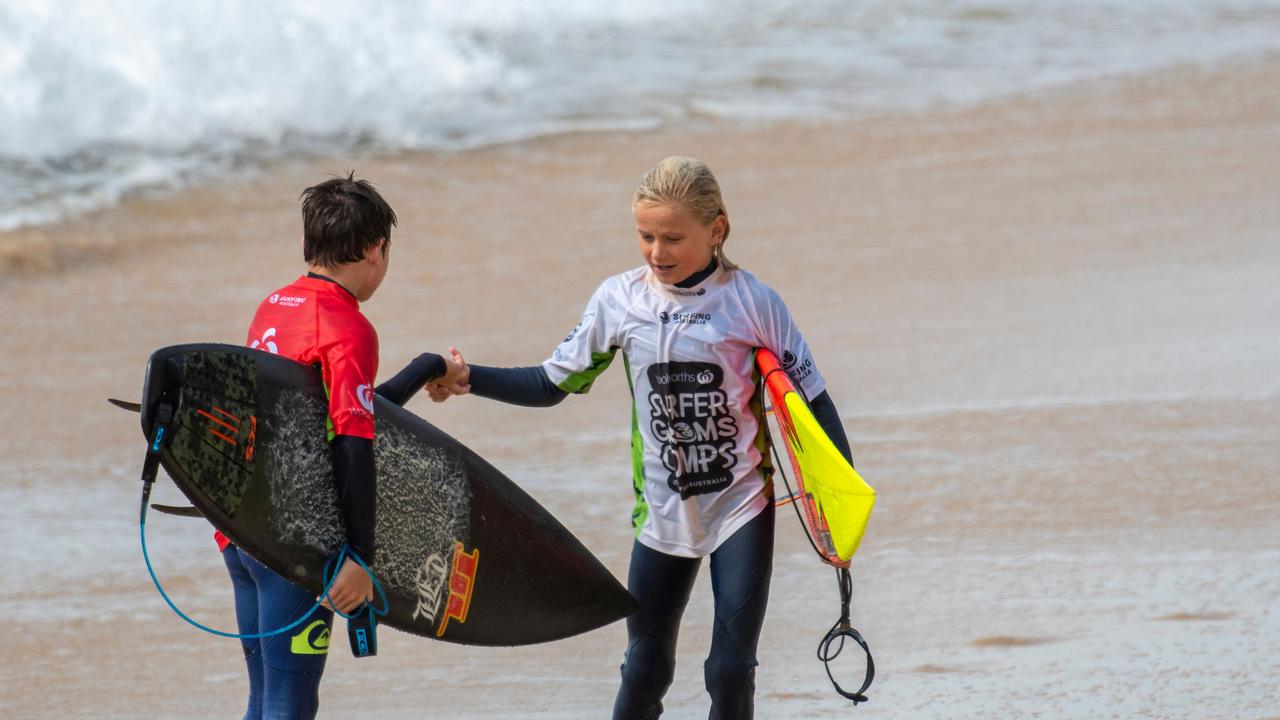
x=102 y=99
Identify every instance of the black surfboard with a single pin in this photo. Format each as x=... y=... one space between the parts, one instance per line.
x=463 y=554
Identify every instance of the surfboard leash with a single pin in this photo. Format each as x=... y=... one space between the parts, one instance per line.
x=367 y=614
x=146 y=556
x=151 y=463
x=841 y=630
x=843 y=627
x=361 y=625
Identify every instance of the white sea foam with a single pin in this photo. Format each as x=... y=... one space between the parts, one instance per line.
x=98 y=100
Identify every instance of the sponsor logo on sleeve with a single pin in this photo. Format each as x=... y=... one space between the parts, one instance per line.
x=689 y=415
x=574 y=332
x=364 y=393
x=559 y=355
x=266 y=342
x=797 y=369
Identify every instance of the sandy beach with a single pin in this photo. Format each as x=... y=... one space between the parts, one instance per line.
x=1050 y=323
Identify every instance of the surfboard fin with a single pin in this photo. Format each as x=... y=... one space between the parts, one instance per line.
x=126 y=405
x=177 y=510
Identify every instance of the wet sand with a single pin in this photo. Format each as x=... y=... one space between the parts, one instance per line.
x=1049 y=322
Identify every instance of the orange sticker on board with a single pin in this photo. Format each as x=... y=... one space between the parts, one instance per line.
x=462 y=580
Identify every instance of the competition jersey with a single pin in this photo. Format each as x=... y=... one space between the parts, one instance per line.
x=316 y=321
x=698 y=436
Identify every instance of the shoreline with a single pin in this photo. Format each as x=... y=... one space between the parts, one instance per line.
x=64 y=245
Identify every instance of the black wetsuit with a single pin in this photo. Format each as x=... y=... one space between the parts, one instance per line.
x=740 y=571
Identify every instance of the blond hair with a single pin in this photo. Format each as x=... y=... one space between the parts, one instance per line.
x=689 y=182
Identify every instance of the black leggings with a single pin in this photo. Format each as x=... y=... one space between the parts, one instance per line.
x=740 y=571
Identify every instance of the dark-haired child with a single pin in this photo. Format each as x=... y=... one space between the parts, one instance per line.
x=316 y=320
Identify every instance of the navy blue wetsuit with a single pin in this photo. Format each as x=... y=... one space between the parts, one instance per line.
x=284 y=670
x=315 y=321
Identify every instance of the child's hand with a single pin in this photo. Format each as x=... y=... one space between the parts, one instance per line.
x=351 y=589
x=438 y=392
x=456 y=379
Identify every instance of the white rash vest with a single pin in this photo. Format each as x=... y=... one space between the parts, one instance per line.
x=698 y=441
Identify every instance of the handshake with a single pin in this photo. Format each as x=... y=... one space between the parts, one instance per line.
x=455 y=381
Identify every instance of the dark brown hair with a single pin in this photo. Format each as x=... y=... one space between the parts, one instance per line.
x=341 y=219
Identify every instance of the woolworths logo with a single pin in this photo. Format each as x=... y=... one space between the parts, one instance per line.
x=684 y=377
x=695 y=429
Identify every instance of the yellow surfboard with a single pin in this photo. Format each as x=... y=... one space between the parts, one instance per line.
x=836 y=501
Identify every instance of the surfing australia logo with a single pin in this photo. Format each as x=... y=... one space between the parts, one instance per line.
x=697 y=433
x=688 y=318
x=574 y=332
x=795 y=368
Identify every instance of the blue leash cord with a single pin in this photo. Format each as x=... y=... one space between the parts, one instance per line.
x=330 y=575
x=362 y=630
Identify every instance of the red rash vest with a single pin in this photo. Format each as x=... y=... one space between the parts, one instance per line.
x=317 y=321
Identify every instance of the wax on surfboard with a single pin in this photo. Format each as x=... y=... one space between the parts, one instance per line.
x=463 y=554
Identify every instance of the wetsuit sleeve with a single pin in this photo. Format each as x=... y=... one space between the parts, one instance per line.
x=349 y=362
x=424 y=368
x=587 y=351
x=527 y=386
x=824 y=411
x=779 y=333
x=356 y=482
